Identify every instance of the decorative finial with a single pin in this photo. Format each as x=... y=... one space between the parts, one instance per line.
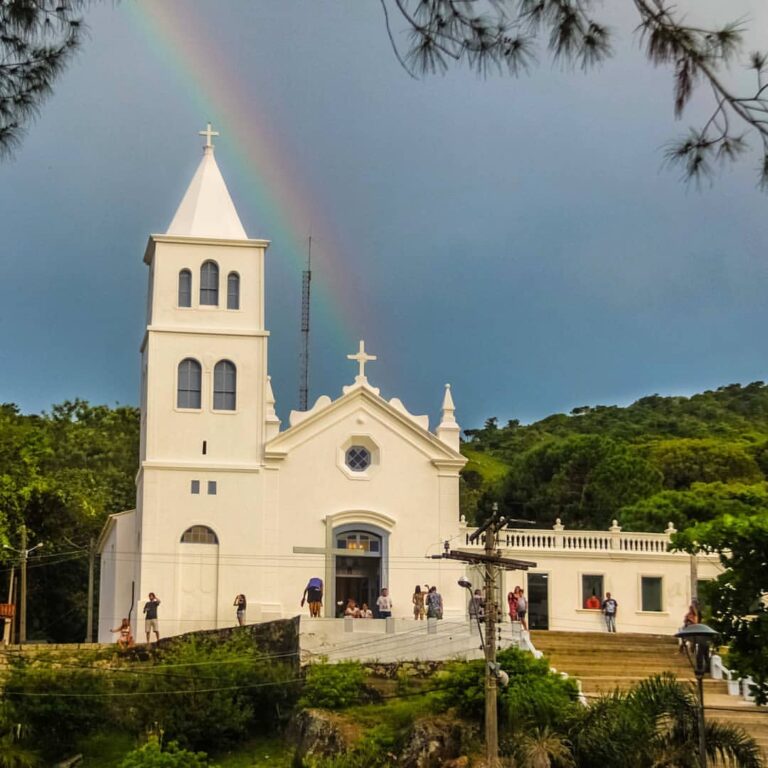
x=209 y=133
x=362 y=358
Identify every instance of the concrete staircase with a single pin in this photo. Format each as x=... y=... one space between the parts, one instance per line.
x=604 y=662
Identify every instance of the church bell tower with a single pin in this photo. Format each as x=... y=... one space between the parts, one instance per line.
x=205 y=393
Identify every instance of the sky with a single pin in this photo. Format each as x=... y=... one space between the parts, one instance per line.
x=518 y=238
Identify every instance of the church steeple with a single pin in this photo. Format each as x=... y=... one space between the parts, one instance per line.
x=207 y=209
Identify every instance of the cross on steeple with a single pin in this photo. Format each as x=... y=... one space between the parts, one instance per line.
x=362 y=358
x=209 y=133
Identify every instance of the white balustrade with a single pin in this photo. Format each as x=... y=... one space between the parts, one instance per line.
x=559 y=539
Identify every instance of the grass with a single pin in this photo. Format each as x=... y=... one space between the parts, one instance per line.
x=105 y=749
x=491 y=468
x=257 y=753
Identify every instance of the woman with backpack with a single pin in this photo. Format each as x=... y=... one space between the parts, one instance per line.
x=434 y=604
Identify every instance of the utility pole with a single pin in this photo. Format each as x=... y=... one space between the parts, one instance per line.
x=493 y=562
x=23 y=617
x=23 y=557
x=91 y=565
x=491 y=688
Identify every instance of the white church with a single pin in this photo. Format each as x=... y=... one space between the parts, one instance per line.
x=356 y=491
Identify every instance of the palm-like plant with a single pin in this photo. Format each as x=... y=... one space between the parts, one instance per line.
x=656 y=725
x=542 y=748
x=13 y=754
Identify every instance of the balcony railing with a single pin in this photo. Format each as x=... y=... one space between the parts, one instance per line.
x=558 y=538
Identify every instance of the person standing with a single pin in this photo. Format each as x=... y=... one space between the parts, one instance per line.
x=522 y=607
x=384 y=604
x=240 y=604
x=313 y=594
x=434 y=604
x=512 y=605
x=418 y=603
x=476 y=606
x=150 y=616
x=610 y=608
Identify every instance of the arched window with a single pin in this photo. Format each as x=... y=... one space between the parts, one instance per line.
x=199 y=534
x=188 y=385
x=233 y=291
x=185 y=288
x=224 y=386
x=209 y=283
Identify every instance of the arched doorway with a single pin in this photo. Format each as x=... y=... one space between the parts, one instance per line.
x=198 y=578
x=359 y=565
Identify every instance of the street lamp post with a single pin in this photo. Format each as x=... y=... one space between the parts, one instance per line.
x=697 y=640
x=23 y=554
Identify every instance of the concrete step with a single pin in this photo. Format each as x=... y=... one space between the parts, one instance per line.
x=606 y=662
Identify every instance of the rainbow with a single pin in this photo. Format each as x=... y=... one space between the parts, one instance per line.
x=177 y=34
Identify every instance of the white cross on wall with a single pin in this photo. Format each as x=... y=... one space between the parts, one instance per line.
x=209 y=133
x=362 y=358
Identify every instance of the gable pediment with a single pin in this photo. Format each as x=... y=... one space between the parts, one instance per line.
x=326 y=414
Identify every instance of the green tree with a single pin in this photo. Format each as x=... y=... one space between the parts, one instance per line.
x=701 y=503
x=581 y=479
x=61 y=474
x=737 y=597
x=501 y=35
x=489 y=35
x=683 y=462
x=37 y=40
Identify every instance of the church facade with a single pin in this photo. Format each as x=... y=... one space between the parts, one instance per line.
x=356 y=490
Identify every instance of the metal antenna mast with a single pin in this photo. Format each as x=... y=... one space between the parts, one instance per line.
x=306 y=279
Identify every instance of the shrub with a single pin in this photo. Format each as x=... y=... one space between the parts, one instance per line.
x=57 y=704
x=334 y=686
x=533 y=694
x=209 y=692
x=153 y=755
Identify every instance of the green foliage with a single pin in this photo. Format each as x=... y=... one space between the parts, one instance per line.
x=534 y=693
x=737 y=597
x=205 y=692
x=581 y=479
x=334 y=686
x=15 y=751
x=701 y=503
x=685 y=461
x=154 y=755
x=57 y=703
x=606 y=462
x=655 y=723
x=202 y=692
x=61 y=474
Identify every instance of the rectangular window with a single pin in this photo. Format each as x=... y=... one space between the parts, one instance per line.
x=211 y=487
x=650 y=588
x=195 y=486
x=591 y=590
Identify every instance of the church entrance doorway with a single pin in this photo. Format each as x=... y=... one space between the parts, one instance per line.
x=358 y=569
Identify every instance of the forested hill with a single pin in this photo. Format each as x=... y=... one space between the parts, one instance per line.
x=661 y=459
